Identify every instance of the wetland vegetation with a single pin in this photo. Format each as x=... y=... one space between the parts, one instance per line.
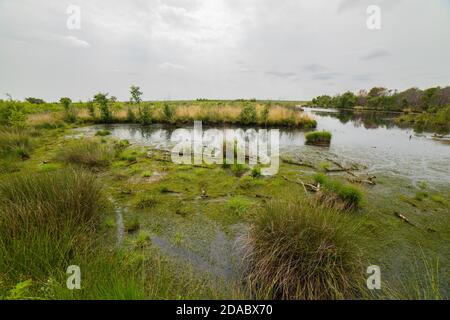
x=92 y=184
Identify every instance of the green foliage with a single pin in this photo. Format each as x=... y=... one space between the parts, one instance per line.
x=91 y=109
x=145 y=115
x=248 y=114
x=302 y=251
x=51 y=216
x=265 y=113
x=239 y=205
x=131 y=117
x=136 y=94
x=347 y=193
x=256 y=172
x=87 y=153
x=168 y=112
x=34 y=100
x=103 y=133
x=318 y=137
x=15 y=142
x=102 y=100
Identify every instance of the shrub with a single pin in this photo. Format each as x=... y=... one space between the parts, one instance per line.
x=297 y=250
x=103 y=133
x=256 y=172
x=168 y=112
x=248 y=114
x=318 y=138
x=131 y=117
x=87 y=153
x=145 y=115
x=348 y=194
x=102 y=100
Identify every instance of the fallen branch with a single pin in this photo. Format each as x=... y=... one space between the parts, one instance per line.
x=403 y=218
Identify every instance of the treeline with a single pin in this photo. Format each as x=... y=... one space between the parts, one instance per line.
x=379 y=98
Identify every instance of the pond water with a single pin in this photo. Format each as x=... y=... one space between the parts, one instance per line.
x=367 y=138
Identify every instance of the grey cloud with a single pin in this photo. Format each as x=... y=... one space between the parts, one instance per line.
x=325 y=75
x=280 y=74
x=375 y=54
x=313 y=67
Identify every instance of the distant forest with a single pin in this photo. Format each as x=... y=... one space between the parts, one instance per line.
x=414 y=100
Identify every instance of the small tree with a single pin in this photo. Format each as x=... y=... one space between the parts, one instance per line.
x=69 y=112
x=265 y=113
x=102 y=100
x=248 y=114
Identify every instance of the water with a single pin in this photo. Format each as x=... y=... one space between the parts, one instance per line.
x=368 y=138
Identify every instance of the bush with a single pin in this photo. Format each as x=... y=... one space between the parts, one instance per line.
x=318 y=138
x=145 y=115
x=103 y=133
x=248 y=114
x=348 y=194
x=297 y=250
x=87 y=153
x=168 y=112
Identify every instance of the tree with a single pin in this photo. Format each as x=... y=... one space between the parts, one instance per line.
x=347 y=100
x=69 y=112
x=34 y=100
x=135 y=98
x=65 y=102
x=102 y=100
x=136 y=94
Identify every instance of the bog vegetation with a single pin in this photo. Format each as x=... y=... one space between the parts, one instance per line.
x=139 y=226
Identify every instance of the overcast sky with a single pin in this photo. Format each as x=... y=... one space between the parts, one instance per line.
x=185 y=49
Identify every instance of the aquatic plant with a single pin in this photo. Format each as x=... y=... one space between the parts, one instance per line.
x=320 y=138
x=103 y=133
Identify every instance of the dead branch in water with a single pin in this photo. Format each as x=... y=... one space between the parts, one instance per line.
x=301 y=163
x=403 y=218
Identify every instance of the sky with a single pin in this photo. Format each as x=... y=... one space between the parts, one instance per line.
x=220 y=49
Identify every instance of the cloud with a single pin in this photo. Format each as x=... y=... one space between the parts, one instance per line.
x=280 y=74
x=325 y=76
x=295 y=49
x=170 y=66
x=375 y=54
x=74 y=42
x=313 y=67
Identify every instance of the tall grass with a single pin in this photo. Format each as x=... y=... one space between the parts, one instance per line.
x=87 y=153
x=45 y=219
x=298 y=250
x=15 y=142
x=349 y=195
x=318 y=138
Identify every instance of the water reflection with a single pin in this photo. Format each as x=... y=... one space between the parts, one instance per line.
x=368 y=138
